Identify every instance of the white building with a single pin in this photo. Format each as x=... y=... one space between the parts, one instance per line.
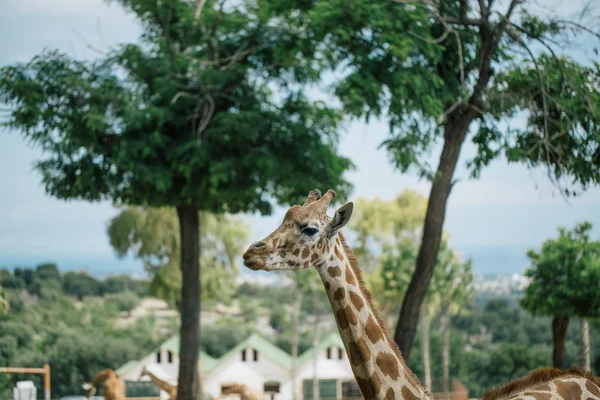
x=262 y=366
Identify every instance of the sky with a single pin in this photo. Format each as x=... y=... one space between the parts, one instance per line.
x=493 y=219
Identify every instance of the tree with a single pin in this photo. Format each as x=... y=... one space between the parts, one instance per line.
x=152 y=235
x=444 y=72
x=379 y=229
x=4 y=302
x=454 y=287
x=451 y=287
x=565 y=276
x=80 y=285
x=207 y=113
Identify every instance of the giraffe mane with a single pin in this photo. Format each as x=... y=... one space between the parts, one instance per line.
x=539 y=376
x=367 y=295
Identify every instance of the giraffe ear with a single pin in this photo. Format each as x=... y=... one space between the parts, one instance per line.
x=340 y=218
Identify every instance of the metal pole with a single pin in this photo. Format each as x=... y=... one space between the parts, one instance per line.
x=46 y=382
x=23 y=370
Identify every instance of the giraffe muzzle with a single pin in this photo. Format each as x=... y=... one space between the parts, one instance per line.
x=253 y=259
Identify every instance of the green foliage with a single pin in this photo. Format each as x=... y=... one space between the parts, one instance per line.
x=189 y=115
x=427 y=69
x=221 y=337
x=563 y=104
x=77 y=341
x=153 y=236
x=123 y=283
x=81 y=284
x=125 y=301
x=387 y=235
x=565 y=275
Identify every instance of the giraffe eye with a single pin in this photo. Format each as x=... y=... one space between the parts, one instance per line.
x=310 y=231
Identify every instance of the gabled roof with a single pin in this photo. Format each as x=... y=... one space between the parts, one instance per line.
x=262 y=345
x=127 y=367
x=255 y=341
x=333 y=339
x=207 y=363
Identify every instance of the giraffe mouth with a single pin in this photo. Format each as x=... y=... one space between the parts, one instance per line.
x=255 y=263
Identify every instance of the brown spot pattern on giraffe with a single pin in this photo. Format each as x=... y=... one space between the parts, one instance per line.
x=358 y=352
x=342 y=319
x=366 y=387
x=389 y=395
x=592 y=388
x=568 y=390
x=339 y=294
x=388 y=363
x=314 y=257
x=352 y=318
x=376 y=382
x=346 y=317
x=373 y=330
x=350 y=276
x=407 y=394
x=292 y=263
x=357 y=301
x=296 y=252
x=334 y=271
x=305 y=252
x=539 y=396
x=327 y=285
x=338 y=253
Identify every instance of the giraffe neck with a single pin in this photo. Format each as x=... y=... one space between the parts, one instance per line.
x=378 y=367
x=159 y=382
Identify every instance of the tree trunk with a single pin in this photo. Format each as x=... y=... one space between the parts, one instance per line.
x=295 y=340
x=315 y=360
x=584 y=332
x=454 y=135
x=445 y=330
x=560 y=323
x=425 y=323
x=190 y=302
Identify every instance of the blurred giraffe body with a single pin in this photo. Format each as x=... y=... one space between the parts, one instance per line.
x=114 y=388
x=307 y=237
x=549 y=384
x=244 y=391
x=167 y=387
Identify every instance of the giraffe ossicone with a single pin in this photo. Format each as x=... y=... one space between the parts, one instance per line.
x=306 y=238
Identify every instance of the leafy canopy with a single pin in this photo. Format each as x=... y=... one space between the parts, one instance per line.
x=565 y=275
x=427 y=65
x=386 y=236
x=152 y=235
x=207 y=109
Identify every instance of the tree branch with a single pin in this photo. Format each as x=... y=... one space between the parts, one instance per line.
x=579 y=26
x=199 y=7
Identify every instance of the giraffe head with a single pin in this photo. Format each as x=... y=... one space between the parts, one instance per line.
x=303 y=239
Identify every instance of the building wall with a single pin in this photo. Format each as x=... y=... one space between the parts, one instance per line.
x=253 y=374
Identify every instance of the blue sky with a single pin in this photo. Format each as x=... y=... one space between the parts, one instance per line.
x=494 y=219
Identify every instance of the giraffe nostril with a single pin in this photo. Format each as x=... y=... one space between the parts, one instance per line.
x=259 y=245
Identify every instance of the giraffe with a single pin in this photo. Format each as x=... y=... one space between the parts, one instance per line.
x=114 y=388
x=167 y=387
x=307 y=237
x=244 y=391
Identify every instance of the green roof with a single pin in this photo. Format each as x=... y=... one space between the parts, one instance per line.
x=255 y=341
x=207 y=363
x=333 y=339
x=127 y=367
x=263 y=346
